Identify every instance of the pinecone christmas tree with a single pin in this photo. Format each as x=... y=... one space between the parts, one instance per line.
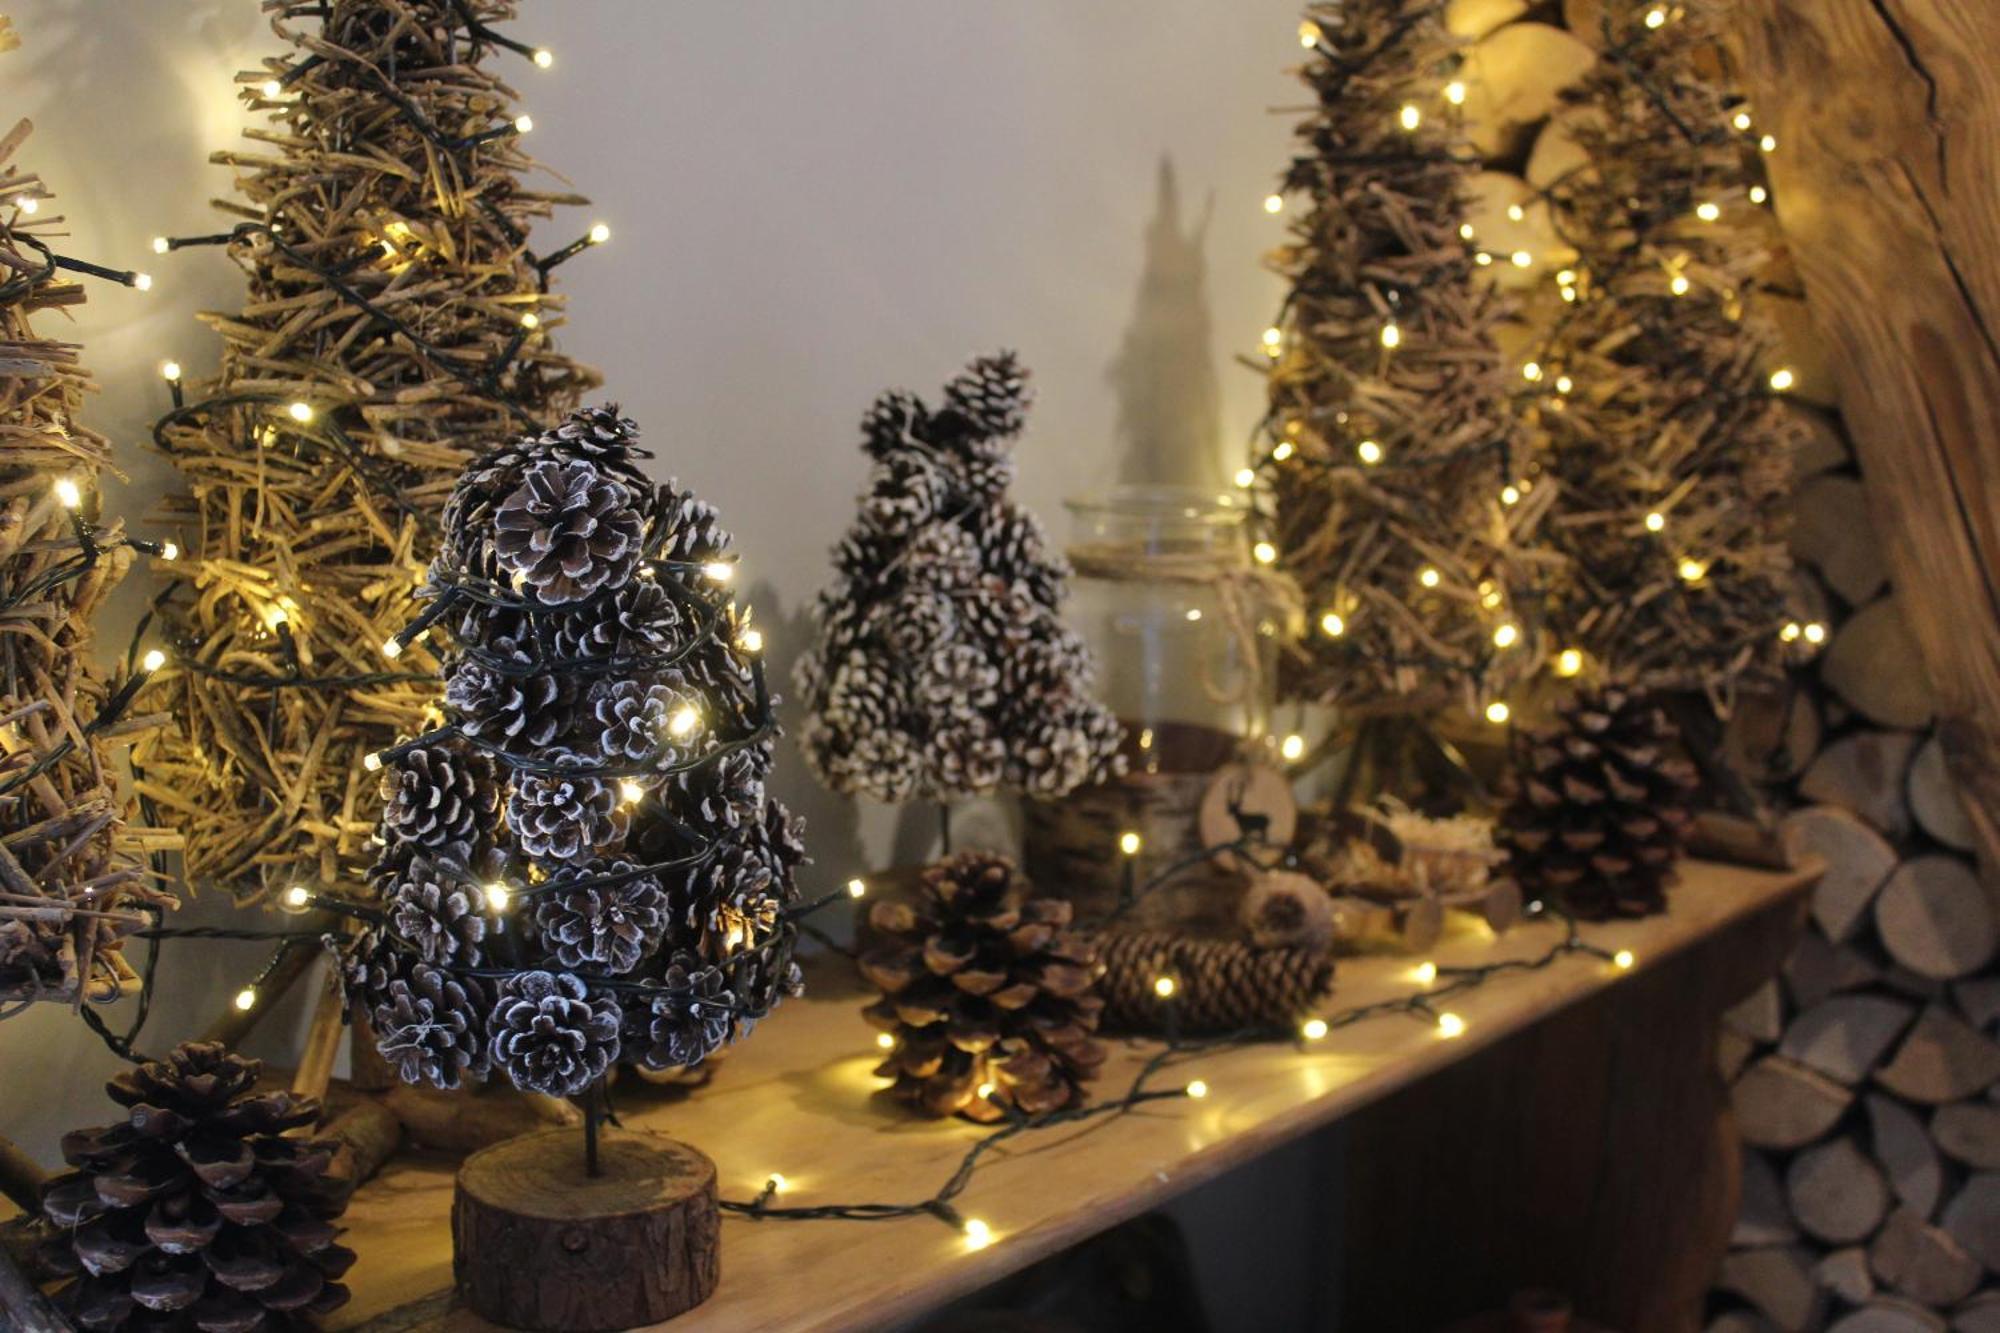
x=592 y=872
x=1604 y=808
x=989 y=997
x=196 y=1212
x=1210 y=985
x=942 y=669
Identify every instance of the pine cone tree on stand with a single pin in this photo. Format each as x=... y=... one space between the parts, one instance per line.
x=196 y=1212
x=1603 y=810
x=991 y=1001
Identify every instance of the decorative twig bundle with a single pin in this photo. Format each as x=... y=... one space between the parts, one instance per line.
x=72 y=869
x=1655 y=404
x=1387 y=448
x=396 y=323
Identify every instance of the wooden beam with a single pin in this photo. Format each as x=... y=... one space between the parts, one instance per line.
x=1887 y=181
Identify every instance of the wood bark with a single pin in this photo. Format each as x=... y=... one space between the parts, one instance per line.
x=539 y=1244
x=1884 y=114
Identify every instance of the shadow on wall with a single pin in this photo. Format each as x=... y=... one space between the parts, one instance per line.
x=1169 y=403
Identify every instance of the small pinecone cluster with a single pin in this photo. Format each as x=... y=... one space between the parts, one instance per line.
x=1603 y=808
x=1216 y=985
x=990 y=999
x=195 y=1212
x=942 y=668
x=612 y=778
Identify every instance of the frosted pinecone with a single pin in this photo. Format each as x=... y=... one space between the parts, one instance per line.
x=692 y=528
x=958 y=676
x=887 y=426
x=549 y=1033
x=967 y=759
x=631 y=722
x=684 y=1025
x=562 y=816
x=1002 y=613
x=918 y=621
x=599 y=434
x=727 y=791
x=905 y=491
x=1070 y=747
x=883 y=764
x=943 y=556
x=993 y=395
x=608 y=926
x=639 y=620
x=368 y=965
x=568 y=531
x=434 y=912
x=864 y=695
x=432 y=1027
x=439 y=797
x=988 y=478
x=518 y=710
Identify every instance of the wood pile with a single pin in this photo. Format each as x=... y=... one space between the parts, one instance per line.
x=1867 y=1076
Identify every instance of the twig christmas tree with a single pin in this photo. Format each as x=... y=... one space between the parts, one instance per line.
x=582 y=866
x=942 y=669
x=72 y=868
x=1656 y=406
x=396 y=322
x=1387 y=447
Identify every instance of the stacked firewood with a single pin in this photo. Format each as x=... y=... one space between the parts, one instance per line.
x=1867 y=1076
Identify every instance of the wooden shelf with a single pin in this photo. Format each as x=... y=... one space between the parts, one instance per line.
x=798 y=1098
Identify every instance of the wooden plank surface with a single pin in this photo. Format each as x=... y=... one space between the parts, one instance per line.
x=798 y=1098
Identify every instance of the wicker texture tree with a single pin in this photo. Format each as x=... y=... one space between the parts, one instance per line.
x=1388 y=444
x=590 y=872
x=66 y=840
x=396 y=321
x=1656 y=413
x=942 y=669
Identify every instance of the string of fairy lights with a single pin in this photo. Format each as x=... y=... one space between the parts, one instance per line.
x=1282 y=450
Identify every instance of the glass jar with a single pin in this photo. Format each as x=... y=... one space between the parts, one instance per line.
x=1168 y=600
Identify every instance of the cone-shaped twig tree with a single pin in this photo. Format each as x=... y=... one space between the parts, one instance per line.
x=581 y=866
x=1656 y=409
x=72 y=868
x=397 y=321
x=942 y=668
x=1387 y=449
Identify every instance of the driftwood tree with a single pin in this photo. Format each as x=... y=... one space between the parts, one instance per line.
x=397 y=321
x=1662 y=447
x=1387 y=447
x=72 y=864
x=1886 y=186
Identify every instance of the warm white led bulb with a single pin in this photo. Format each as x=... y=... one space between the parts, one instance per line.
x=684 y=721
x=544 y=58
x=1409 y=117
x=630 y=792
x=142 y=282
x=170 y=550
x=170 y=371
x=1332 y=625
x=599 y=234
x=1656 y=522
x=719 y=571
x=300 y=412
x=1623 y=960
x=298 y=896
x=497 y=897
x=1309 y=34
x=1708 y=212
x=1245 y=478
x=1293 y=748
x=372 y=761
x=1507 y=635
x=1197 y=1089
x=1569 y=662
x=531 y=320
x=28 y=204
x=1265 y=553
x=1532 y=372
x=977 y=1234
x=1392 y=336
x=885 y=1041
x=1450 y=1025
x=161 y=245
x=1164 y=987
x=1656 y=18
x=67 y=494
x=1521 y=258
x=1130 y=842
x=1425 y=973
x=1429 y=577
x=1692 y=570
x=246 y=999
x=153 y=660
x=1783 y=378
x=1497 y=712
x=857 y=888
x=1368 y=452
x=1274 y=203
x=1510 y=495
x=1454 y=93
x=751 y=641
x=523 y=124
x=391 y=649
x=1313 y=1029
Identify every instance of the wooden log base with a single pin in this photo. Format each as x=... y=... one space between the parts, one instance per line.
x=539 y=1244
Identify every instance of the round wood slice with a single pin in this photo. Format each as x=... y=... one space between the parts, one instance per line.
x=1906 y=1154
x=539 y=1244
x=1934 y=798
x=1772 y=738
x=1973 y=1218
x=1837 y=1194
x=1821 y=447
x=1782 y=1104
x=1875 y=665
x=1922 y=1262
x=1241 y=798
x=1969 y=1132
x=1864 y=772
x=1858 y=862
x=1831 y=532
x=1935 y=919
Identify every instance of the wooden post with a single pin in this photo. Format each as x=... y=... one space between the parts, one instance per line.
x=539 y=1244
x=1888 y=185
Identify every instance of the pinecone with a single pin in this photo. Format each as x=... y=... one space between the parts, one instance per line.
x=436 y=913
x=439 y=797
x=992 y=394
x=684 y=1026
x=551 y=1034
x=432 y=1026
x=369 y=963
x=982 y=988
x=1603 y=808
x=693 y=528
x=632 y=719
x=567 y=531
x=1218 y=985
x=639 y=620
x=562 y=816
x=519 y=710
x=887 y=425
x=195 y=1212
x=611 y=926
x=599 y=434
